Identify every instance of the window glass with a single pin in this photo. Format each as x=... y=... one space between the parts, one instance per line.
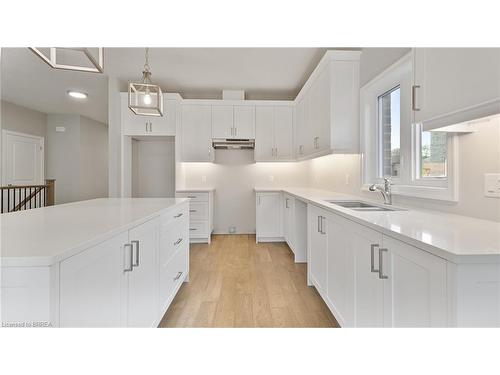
x=433 y=154
x=389 y=130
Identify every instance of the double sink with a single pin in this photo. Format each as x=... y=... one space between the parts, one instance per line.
x=361 y=206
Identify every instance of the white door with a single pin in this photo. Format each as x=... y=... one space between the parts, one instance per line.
x=197 y=133
x=268 y=215
x=340 y=266
x=244 y=121
x=222 y=121
x=93 y=286
x=369 y=289
x=22 y=159
x=283 y=132
x=143 y=292
x=317 y=267
x=415 y=287
x=264 y=133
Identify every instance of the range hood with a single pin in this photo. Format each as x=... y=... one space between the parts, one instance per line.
x=233 y=144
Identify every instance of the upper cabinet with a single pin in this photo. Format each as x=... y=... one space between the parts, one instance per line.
x=327 y=107
x=451 y=80
x=230 y=121
x=133 y=124
x=196 y=135
x=274 y=133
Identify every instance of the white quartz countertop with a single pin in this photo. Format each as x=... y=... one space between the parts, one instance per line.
x=44 y=236
x=459 y=239
x=200 y=190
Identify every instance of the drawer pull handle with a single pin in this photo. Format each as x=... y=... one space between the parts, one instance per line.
x=372 y=256
x=191 y=196
x=192 y=210
x=178 y=215
x=179 y=274
x=381 y=264
x=136 y=263
x=192 y=228
x=178 y=241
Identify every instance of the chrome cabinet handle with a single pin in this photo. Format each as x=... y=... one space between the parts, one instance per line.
x=191 y=196
x=192 y=210
x=319 y=219
x=178 y=215
x=192 y=228
x=286 y=203
x=322 y=218
x=414 y=97
x=301 y=149
x=178 y=241
x=381 y=275
x=179 y=274
x=137 y=247
x=235 y=130
x=128 y=245
x=372 y=256
x=151 y=127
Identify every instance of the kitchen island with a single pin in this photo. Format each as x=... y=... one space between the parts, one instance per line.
x=111 y=262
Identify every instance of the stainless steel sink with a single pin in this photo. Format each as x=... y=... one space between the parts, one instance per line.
x=361 y=206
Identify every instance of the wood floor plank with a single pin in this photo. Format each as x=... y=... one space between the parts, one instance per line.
x=235 y=282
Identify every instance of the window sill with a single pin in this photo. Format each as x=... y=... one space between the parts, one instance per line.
x=422 y=192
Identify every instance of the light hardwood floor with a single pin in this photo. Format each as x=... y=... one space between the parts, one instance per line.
x=235 y=282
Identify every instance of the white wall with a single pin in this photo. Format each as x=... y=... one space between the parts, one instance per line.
x=114 y=138
x=153 y=168
x=76 y=158
x=234 y=175
x=23 y=120
x=93 y=159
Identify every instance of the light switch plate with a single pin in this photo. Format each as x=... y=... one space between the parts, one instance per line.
x=492 y=185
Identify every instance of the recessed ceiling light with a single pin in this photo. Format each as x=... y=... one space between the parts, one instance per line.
x=77 y=94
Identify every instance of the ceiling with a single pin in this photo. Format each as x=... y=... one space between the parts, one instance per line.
x=264 y=73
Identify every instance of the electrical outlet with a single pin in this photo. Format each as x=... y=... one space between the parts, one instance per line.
x=232 y=230
x=271 y=178
x=204 y=179
x=492 y=185
x=347 y=177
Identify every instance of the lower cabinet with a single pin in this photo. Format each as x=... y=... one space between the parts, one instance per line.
x=288 y=213
x=371 y=280
x=268 y=217
x=128 y=280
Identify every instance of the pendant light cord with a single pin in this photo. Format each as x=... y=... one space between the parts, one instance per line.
x=146 y=64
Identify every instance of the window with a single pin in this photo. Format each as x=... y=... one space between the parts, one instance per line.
x=389 y=132
x=419 y=163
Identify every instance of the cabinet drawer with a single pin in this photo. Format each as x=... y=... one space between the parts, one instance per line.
x=198 y=229
x=194 y=196
x=198 y=211
x=171 y=239
x=173 y=273
x=177 y=215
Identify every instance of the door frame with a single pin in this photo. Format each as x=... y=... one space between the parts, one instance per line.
x=3 y=153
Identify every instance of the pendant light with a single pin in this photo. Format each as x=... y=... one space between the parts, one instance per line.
x=79 y=59
x=145 y=98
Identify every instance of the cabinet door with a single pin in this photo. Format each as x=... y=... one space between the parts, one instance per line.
x=264 y=133
x=244 y=121
x=165 y=125
x=143 y=285
x=318 y=242
x=368 y=291
x=299 y=128
x=222 y=121
x=415 y=288
x=197 y=133
x=133 y=124
x=452 y=79
x=340 y=270
x=268 y=215
x=283 y=132
x=93 y=286
x=319 y=113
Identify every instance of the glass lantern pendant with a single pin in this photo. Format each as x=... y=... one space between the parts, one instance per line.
x=81 y=59
x=145 y=98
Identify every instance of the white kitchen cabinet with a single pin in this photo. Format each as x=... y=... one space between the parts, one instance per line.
x=133 y=124
x=93 y=285
x=143 y=281
x=269 y=226
x=415 y=293
x=273 y=133
x=197 y=133
x=317 y=269
x=244 y=121
x=232 y=122
x=302 y=146
x=222 y=121
x=453 y=79
x=201 y=214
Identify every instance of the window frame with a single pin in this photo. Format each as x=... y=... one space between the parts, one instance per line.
x=409 y=183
